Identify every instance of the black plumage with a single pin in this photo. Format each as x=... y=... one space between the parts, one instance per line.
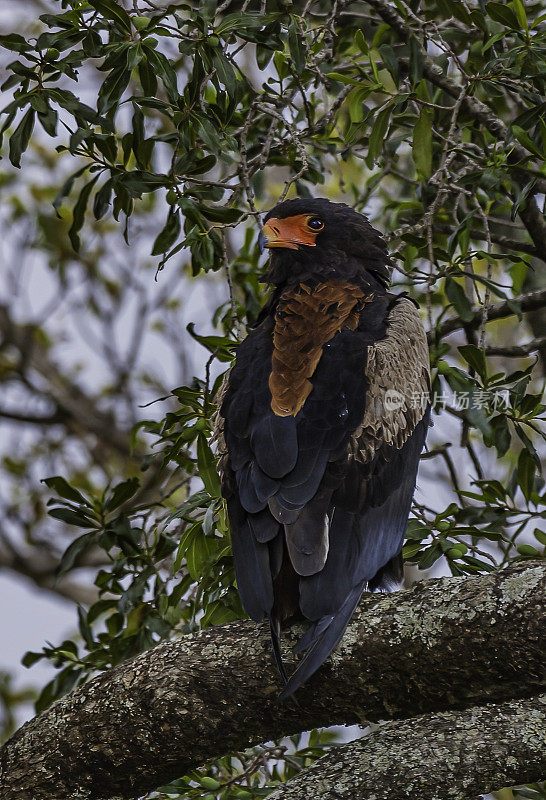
x=318 y=470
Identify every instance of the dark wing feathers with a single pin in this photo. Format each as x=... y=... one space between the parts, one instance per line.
x=307 y=537
x=264 y=526
x=274 y=444
x=362 y=543
x=318 y=502
x=252 y=564
x=324 y=593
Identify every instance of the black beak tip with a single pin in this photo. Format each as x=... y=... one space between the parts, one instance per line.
x=262 y=241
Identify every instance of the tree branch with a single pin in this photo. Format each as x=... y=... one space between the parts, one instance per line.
x=503 y=241
x=506 y=308
x=518 y=351
x=455 y=755
x=529 y=212
x=186 y=701
x=38 y=563
x=72 y=406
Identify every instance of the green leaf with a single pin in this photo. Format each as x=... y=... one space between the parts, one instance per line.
x=81 y=112
x=112 y=88
x=138 y=182
x=417 y=61
x=209 y=135
x=189 y=164
x=422 y=143
x=391 y=61
x=209 y=783
x=502 y=13
x=48 y=120
x=102 y=199
x=523 y=138
x=263 y=56
x=29 y=659
x=355 y=100
x=529 y=446
x=225 y=72
x=61 y=684
x=148 y=78
x=521 y=202
x=12 y=41
x=121 y=493
x=214 y=344
x=238 y=23
x=528 y=550
x=521 y=15
x=540 y=536
x=72 y=517
x=430 y=556
x=492 y=40
x=73 y=551
x=20 y=138
x=296 y=47
x=66 y=188
x=501 y=435
x=218 y=613
x=111 y=10
x=167 y=237
x=163 y=69
x=78 y=214
x=475 y=357
x=526 y=471
x=377 y=136
x=197 y=549
x=456 y=295
x=221 y=214
x=63 y=489
x=360 y=42
x=207 y=467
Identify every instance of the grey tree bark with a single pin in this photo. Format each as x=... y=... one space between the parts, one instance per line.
x=446 y=756
x=445 y=644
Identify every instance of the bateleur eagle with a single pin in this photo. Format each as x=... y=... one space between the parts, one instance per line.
x=321 y=424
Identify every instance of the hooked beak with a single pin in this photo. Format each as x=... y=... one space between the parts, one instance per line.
x=272 y=235
x=287 y=233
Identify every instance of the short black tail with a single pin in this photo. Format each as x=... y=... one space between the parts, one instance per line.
x=321 y=644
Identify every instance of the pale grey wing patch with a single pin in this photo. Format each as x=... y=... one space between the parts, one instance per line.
x=398 y=375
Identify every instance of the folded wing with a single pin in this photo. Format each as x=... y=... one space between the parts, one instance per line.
x=319 y=480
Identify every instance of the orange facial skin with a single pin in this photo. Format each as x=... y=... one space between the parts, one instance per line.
x=290 y=232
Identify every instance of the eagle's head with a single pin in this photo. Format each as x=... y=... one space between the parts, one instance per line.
x=315 y=238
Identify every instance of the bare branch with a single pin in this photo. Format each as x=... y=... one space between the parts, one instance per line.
x=75 y=407
x=507 y=308
x=529 y=212
x=38 y=563
x=518 y=351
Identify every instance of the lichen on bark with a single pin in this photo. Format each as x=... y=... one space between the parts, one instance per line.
x=196 y=698
x=453 y=755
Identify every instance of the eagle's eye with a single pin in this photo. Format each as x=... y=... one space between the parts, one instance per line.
x=315 y=224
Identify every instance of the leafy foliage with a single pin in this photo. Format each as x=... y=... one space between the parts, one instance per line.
x=429 y=116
